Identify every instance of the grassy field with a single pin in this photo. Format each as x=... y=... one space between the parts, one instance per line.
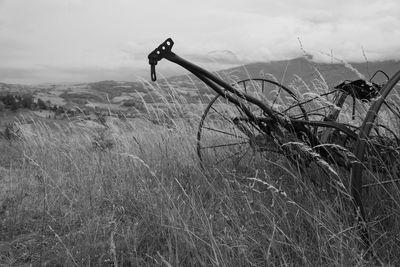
x=134 y=194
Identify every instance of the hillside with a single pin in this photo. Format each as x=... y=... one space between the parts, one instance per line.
x=117 y=95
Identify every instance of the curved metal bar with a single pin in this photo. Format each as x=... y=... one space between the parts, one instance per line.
x=201 y=73
x=379 y=71
x=359 y=151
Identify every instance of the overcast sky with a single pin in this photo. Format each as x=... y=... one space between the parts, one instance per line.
x=91 y=40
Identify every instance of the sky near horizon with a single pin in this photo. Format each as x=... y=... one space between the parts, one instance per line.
x=91 y=40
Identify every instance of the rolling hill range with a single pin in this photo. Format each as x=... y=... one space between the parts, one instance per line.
x=284 y=71
x=122 y=95
x=287 y=70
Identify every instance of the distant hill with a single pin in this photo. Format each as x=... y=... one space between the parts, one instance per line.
x=188 y=89
x=285 y=71
x=14 y=87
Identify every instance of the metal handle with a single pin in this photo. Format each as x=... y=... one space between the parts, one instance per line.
x=157 y=54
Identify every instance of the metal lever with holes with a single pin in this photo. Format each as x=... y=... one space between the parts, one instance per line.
x=157 y=54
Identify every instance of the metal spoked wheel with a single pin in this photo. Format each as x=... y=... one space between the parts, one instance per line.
x=227 y=138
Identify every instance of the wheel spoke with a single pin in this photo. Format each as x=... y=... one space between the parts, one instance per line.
x=244 y=154
x=223 y=116
x=224 y=145
x=220 y=131
x=230 y=156
x=254 y=126
x=240 y=111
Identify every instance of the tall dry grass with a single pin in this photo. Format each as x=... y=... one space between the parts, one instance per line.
x=133 y=194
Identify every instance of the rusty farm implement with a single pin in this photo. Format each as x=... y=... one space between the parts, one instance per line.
x=354 y=128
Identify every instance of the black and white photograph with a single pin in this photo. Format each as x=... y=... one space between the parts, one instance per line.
x=199 y=133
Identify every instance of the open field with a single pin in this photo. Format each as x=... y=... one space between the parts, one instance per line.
x=132 y=192
x=143 y=200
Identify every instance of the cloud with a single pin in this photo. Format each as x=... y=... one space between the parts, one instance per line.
x=111 y=36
